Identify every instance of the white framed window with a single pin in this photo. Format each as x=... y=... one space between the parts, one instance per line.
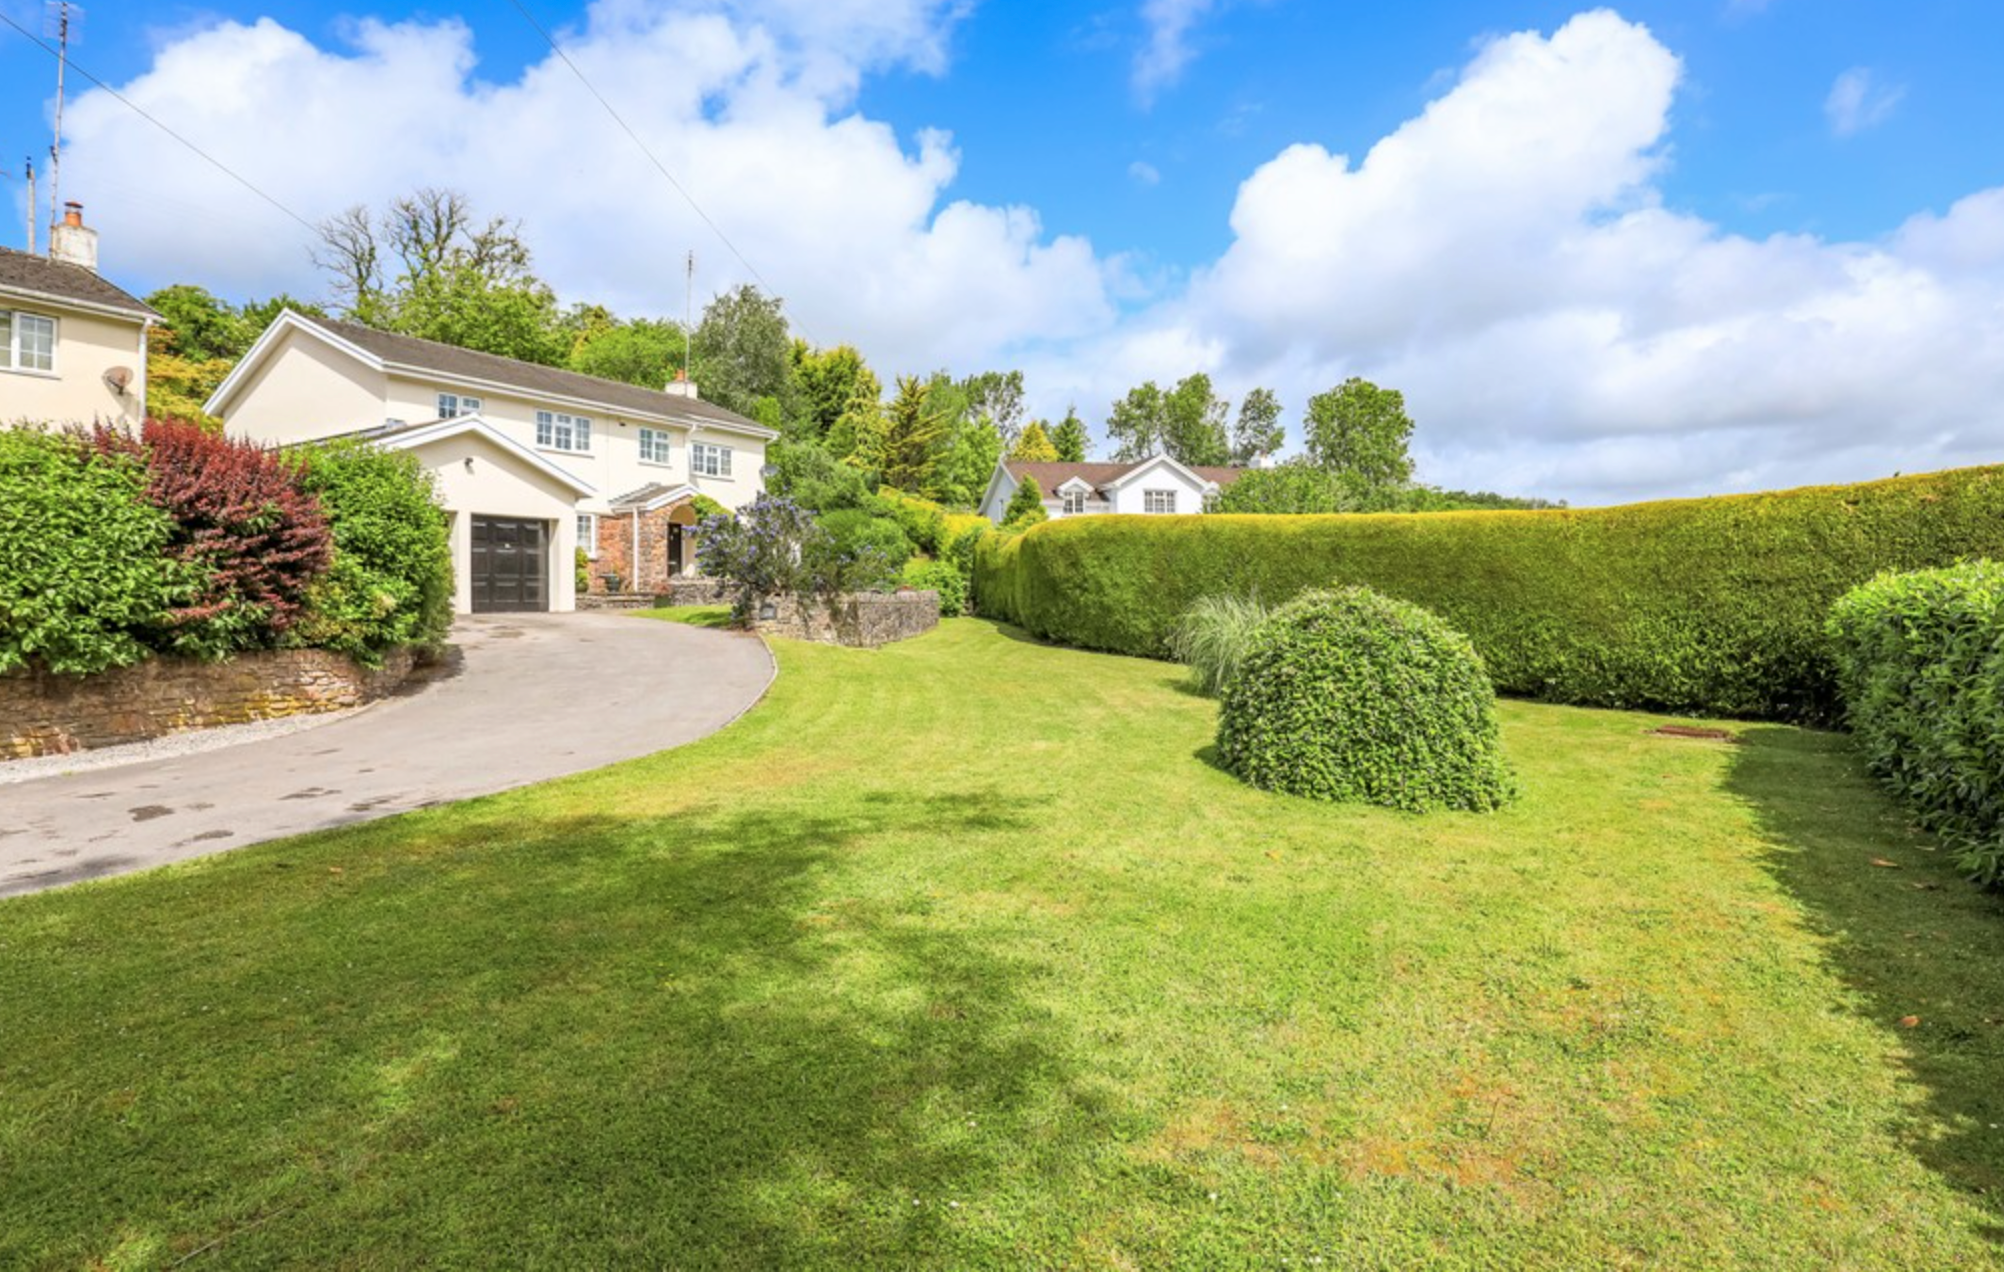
x=452 y=405
x=588 y=534
x=1158 y=501
x=27 y=342
x=654 y=446
x=1074 y=502
x=709 y=461
x=557 y=431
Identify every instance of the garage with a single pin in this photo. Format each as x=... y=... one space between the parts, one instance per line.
x=509 y=566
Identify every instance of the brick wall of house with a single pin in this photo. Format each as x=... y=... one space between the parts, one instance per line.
x=42 y=714
x=615 y=551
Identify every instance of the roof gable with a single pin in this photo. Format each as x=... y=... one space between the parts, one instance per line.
x=411 y=437
x=1051 y=477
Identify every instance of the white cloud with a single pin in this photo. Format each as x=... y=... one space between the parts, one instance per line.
x=1144 y=172
x=1859 y=101
x=849 y=224
x=1506 y=259
x=1166 y=50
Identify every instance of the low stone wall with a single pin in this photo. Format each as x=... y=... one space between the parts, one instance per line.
x=868 y=620
x=697 y=591
x=42 y=714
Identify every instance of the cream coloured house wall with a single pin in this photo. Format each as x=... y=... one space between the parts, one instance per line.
x=87 y=346
x=476 y=476
x=613 y=463
x=307 y=390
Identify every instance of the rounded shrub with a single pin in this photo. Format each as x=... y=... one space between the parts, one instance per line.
x=1347 y=695
x=853 y=529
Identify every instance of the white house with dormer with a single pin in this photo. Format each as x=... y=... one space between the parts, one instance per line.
x=1157 y=484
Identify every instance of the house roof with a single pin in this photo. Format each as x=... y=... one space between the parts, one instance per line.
x=24 y=274
x=653 y=495
x=412 y=436
x=411 y=356
x=1101 y=476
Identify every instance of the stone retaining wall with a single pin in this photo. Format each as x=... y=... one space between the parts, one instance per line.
x=867 y=620
x=697 y=591
x=42 y=714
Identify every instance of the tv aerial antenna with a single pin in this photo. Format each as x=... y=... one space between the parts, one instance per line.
x=62 y=22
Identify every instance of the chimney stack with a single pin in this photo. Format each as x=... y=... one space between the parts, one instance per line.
x=71 y=242
x=682 y=385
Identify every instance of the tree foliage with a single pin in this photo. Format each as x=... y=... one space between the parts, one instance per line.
x=744 y=353
x=1363 y=431
x=1026 y=506
x=1070 y=439
x=1187 y=423
x=644 y=351
x=830 y=381
x=424 y=267
x=997 y=396
x=1258 y=432
x=913 y=439
x=1294 y=488
x=1034 y=446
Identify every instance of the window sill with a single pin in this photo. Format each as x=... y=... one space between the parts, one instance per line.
x=558 y=450
x=657 y=463
x=31 y=373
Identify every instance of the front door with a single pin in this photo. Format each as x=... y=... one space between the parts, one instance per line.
x=675 y=550
x=509 y=566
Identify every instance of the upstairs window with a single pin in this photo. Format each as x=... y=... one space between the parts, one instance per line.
x=27 y=342
x=451 y=406
x=557 y=431
x=1074 y=502
x=706 y=460
x=1158 y=501
x=654 y=446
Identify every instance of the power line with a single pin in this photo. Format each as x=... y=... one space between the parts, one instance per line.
x=690 y=199
x=127 y=102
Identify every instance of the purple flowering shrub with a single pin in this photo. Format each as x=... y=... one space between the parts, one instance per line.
x=774 y=547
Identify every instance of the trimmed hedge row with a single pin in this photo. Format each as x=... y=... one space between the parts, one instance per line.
x=1712 y=606
x=1920 y=661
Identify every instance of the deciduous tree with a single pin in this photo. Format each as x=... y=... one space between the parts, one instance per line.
x=1362 y=431
x=1258 y=432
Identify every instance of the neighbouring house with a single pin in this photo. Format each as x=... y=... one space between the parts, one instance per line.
x=533 y=462
x=72 y=345
x=1157 y=484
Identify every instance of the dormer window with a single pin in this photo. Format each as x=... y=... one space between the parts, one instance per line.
x=1075 y=500
x=451 y=406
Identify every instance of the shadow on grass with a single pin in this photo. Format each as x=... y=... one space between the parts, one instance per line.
x=1911 y=937
x=691 y=1040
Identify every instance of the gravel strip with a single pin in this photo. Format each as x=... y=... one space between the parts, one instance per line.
x=192 y=742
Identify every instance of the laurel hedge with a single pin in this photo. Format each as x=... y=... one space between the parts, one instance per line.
x=1920 y=662
x=1710 y=606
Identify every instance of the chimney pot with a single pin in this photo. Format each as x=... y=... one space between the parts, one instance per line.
x=72 y=213
x=71 y=241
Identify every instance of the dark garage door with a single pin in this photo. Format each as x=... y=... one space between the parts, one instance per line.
x=510 y=563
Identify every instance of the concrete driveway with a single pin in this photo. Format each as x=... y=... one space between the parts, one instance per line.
x=534 y=696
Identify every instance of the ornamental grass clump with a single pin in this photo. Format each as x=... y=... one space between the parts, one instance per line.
x=1350 y=696
x=1211 y=639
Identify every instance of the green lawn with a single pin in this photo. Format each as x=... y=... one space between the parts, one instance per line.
x=961 y=954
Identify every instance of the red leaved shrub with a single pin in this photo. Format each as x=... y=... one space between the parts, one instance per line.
x=251 y=539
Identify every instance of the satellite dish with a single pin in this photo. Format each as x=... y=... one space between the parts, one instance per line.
x=119 y=379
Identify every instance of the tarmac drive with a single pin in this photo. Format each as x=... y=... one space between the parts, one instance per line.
x=533 y=696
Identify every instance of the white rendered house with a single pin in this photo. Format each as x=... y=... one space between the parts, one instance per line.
x=533 y=462
x=1157 y=484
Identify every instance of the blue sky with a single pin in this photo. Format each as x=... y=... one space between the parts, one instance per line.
x=1727 y=188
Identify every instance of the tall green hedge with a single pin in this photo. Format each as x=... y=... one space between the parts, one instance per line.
x=1920 y=661
x=1712 y=605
